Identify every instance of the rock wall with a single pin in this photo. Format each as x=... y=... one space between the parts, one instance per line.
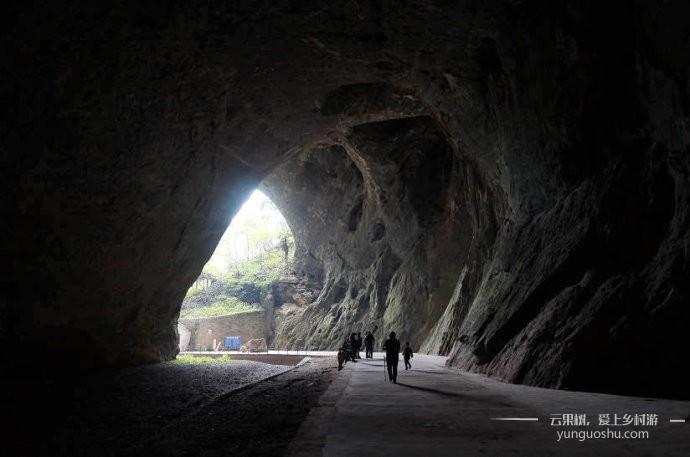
x=384 y=220
x=505 y=182
x=548 y=244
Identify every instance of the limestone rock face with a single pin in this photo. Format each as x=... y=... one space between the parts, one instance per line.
x=382 y=220
x=504 y=182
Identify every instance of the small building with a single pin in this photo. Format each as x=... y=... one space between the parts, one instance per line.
x=204 y=331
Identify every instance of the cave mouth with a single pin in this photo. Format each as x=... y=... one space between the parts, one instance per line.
x=504 y=184
x=231 y=301
x=471 y=176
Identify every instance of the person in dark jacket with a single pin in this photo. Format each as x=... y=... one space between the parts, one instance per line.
x=353 y=347
x=369 y=345
x=407 y=355
x=392 y=349
x=359 y=344
x=343 y=354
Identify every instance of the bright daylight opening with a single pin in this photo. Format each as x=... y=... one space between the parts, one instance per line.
x=253 y=253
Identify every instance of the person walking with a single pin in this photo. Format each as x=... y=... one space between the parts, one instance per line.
x=343 y=354
x=392 y=349
x=353 y=347
x=369 y=346
x=359 y=344
x=407 y=355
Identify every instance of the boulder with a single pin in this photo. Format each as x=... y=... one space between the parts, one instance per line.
x=256 y=345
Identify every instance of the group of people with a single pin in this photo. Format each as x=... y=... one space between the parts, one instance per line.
x=353 y=345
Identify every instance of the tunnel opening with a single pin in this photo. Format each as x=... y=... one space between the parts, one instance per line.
x=230 y=305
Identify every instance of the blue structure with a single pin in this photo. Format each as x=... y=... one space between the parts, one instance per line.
x=232 y=343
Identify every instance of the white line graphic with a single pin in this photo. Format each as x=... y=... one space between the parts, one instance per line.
x=528 y=419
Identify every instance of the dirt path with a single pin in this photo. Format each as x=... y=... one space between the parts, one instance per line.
x=259 y=421
x=167 y=409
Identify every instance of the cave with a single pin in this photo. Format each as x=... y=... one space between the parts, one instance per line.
x=504 y=183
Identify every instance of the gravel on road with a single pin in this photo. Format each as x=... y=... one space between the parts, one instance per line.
x=135 y=410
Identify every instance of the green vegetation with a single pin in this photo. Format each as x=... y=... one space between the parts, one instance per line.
x=249 y=258
x=222 y=307
x=192 y=292
x=188 y=359
x=240 y=291
x=260 y=270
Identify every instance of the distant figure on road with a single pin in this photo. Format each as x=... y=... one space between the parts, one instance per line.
x=359 y=344
x=407 y=355
x=369 y=345
x=353 y=347
x=343 y=354
x=286 y=247
x=392 y=349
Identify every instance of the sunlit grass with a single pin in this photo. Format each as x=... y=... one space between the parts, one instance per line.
x=223 y=307
x=188 y=359
x=261 y=270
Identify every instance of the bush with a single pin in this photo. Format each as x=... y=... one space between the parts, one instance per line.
x=188 y=359
x=248 y=282
x=247 y=292
x=261 y=270
x=221 y=307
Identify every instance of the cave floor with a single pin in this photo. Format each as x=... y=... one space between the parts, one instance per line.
x=437 y=411
x=239 y=408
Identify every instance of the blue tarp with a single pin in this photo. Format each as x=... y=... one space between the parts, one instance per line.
x=232 y=342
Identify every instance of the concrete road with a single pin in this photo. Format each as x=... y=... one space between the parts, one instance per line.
x=436 y=411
